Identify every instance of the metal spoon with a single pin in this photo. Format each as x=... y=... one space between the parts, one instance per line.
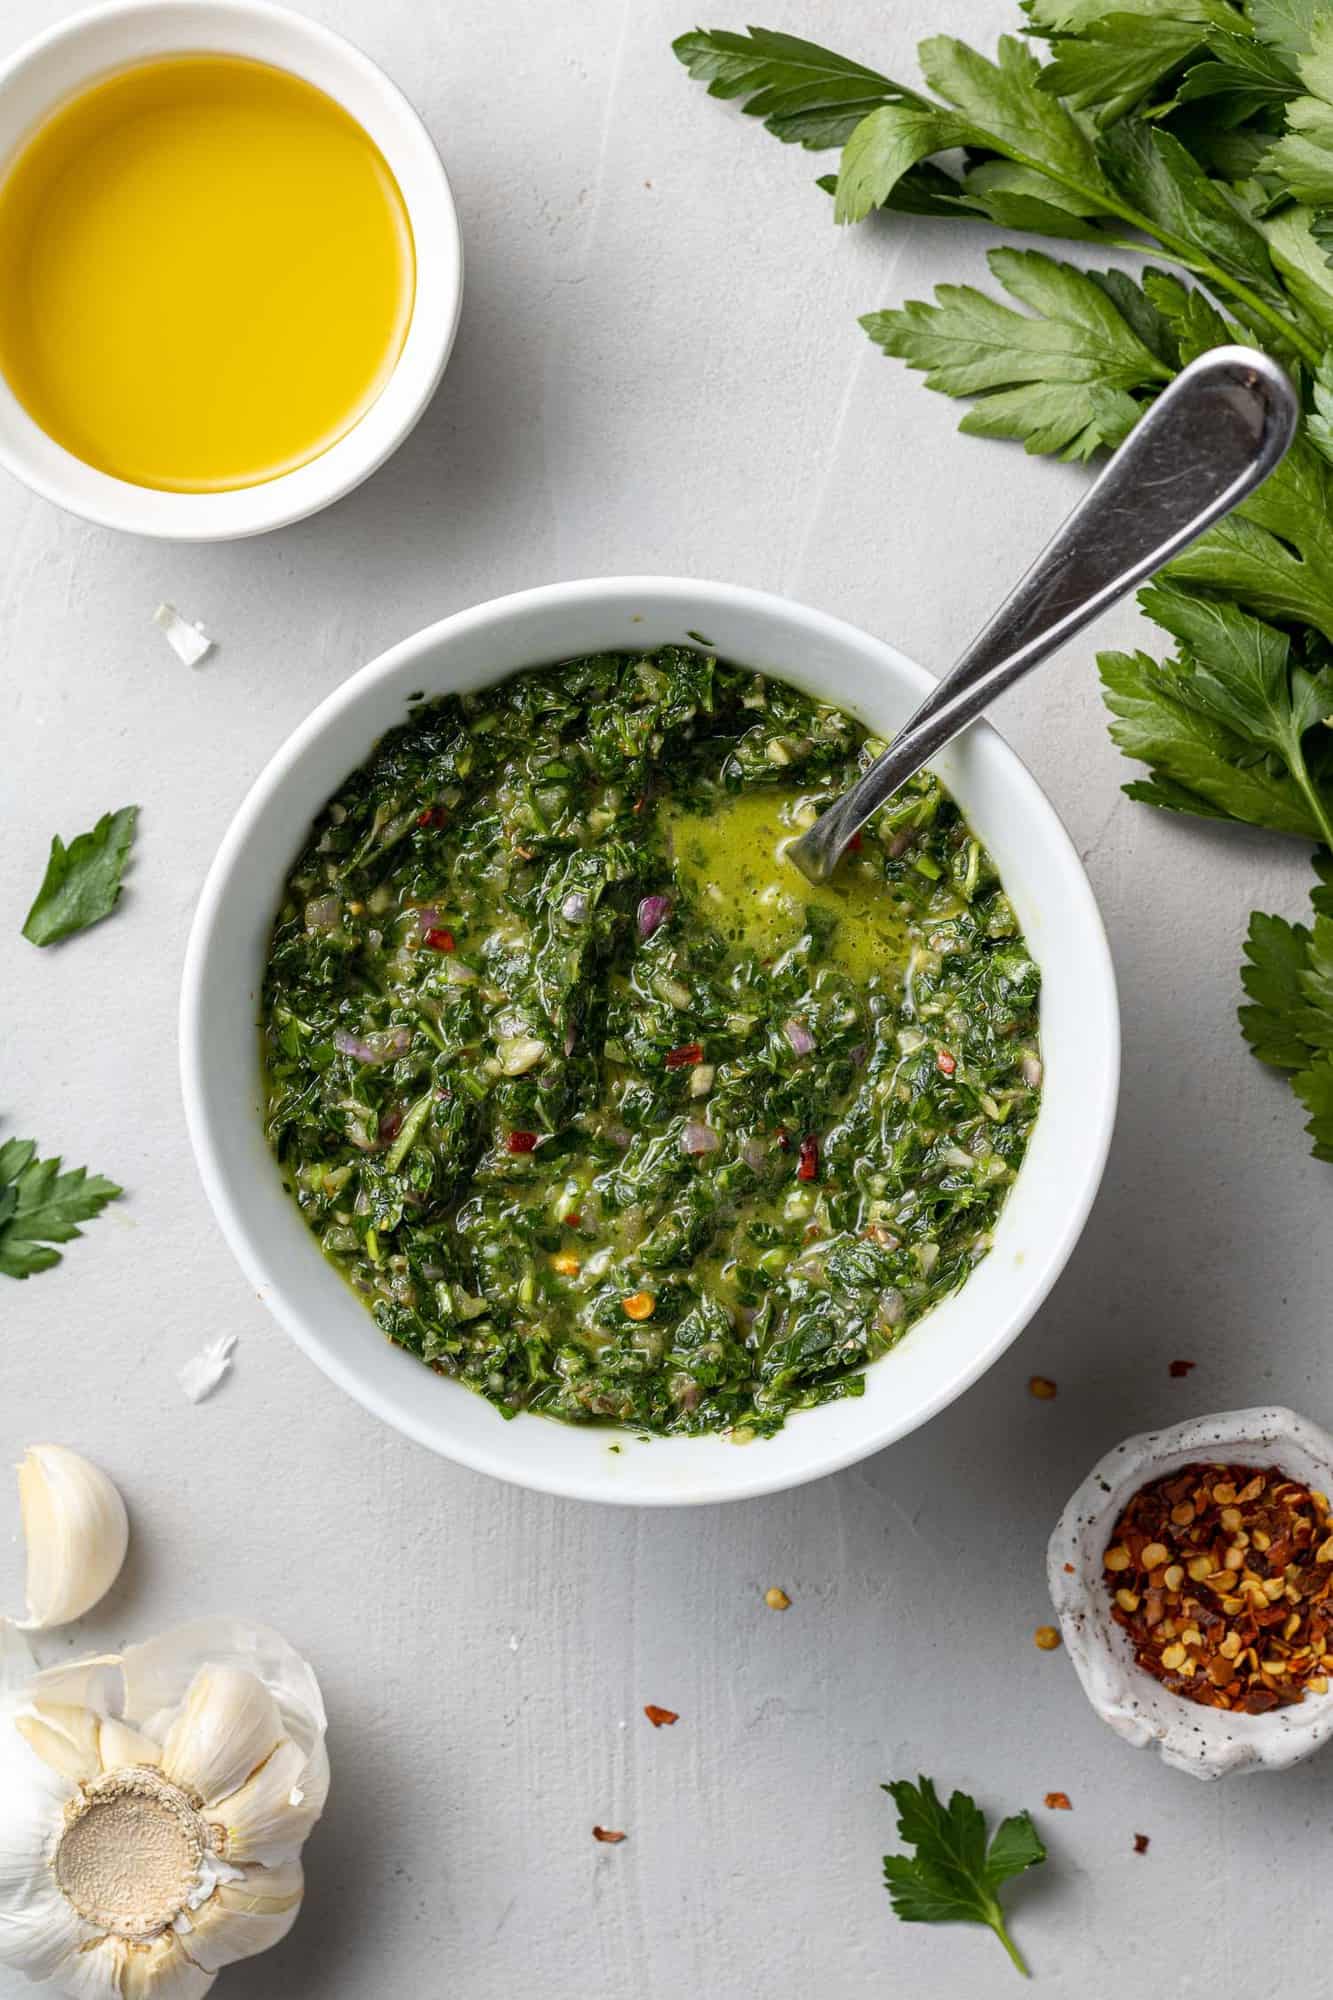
x=1210 y=438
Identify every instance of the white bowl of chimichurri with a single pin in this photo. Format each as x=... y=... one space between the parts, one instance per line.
x=565 y=1126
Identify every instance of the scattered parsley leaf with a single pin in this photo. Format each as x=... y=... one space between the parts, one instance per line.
x=953 y=1876
x=39 y=1206
x=82 y=881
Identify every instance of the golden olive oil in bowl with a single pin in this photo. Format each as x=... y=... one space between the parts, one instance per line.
x=207 y=273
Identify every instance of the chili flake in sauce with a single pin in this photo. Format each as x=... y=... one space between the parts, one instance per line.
x=543 y=970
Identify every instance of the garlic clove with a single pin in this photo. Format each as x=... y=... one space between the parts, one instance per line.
x=115 y=1969
x=38 y=1928
x=77 y=1532
x=242 y=1918
x=119 y=1745
x=63 y=1737
x=159 y=1671
x=227 y=1727
x=268 y=1819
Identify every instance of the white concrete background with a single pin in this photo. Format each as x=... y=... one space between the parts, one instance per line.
x=659 y=369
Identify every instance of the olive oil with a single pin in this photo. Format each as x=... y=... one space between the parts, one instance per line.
x=206 y=273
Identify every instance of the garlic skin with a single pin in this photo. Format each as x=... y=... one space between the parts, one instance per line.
x=153 y=1807
x=77 y=1532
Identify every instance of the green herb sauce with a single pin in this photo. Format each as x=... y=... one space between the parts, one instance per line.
x=599 y=1106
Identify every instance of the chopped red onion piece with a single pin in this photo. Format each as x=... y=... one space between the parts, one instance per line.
x=1031 y=1069
x=699 y=1138
x=429 y=919
x=653 y=911
x=574 y=909
x=380 y=1047
x=802 y=1041
x=892 y=1307
x=754 y=1153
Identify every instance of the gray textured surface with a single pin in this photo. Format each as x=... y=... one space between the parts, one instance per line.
x=658 y=368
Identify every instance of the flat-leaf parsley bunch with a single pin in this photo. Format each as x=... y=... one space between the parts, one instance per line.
x=1199 y=132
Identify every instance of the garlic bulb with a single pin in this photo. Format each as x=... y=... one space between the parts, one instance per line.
x=153 y=1807
x=77 y=1532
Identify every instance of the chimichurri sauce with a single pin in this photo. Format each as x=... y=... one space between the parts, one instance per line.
x=600 y=1107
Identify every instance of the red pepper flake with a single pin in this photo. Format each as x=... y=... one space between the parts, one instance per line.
x=607 y=1834
x=854 y=844
x=685 y=1057
x=573 y=1221
x=782 y=1139
x=1180 y=1368
x=440 y=940
x=1058 y=1802
x=658 y=1716
x=521 y=1142
x=808 y=1169
x=1140 y=1843
x=945 y=1063
x=1222 y=1577
x=433 y=816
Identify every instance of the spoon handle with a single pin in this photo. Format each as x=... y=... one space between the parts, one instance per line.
x=1210 y=438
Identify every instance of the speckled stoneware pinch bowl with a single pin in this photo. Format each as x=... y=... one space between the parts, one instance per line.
x=1207 y=1742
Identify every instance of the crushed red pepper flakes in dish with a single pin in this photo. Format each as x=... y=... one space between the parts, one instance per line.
x=521 y=1142
x=687 y=1056
x=607 y=1834
x=1222 y=1576
x=660 y=1717
x=1140 y=1843
x=440 y=940
x=1042 y=1387
x=808 y=1158
x=1181 y=1368
x=1058 y=1802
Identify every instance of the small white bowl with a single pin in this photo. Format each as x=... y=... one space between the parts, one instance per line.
x=53 y=67
x=1206 y=1742
x=224 y=964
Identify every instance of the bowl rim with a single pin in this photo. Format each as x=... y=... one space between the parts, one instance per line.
x=622 y=592
x=39 y=462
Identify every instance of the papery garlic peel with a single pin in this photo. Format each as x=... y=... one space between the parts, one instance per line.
x=77 y=1532
x=153 y=1808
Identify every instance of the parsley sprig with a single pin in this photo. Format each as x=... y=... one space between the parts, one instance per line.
x=40 y=1205
x=954 y=1875
x=1200 y=134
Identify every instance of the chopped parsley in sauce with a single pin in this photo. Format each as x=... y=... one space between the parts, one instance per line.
x=600 y=1107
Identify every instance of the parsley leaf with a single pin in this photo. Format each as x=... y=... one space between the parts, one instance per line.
x=805 y=95
x=82 y=881
x=1303 y=158
x=1288 y=978
x=1286 y=25
x=953 y=1876
x=1060 y=382
x=1223 y=726
x=1118 y=59
x=39 y=1206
